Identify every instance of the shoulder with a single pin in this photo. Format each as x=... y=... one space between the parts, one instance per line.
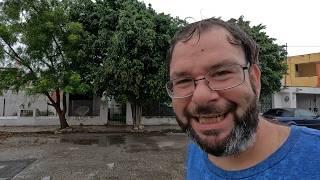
x=309 y=131
x=196 y=165
x=308 y=134
x=308 y=137
x=195 y=154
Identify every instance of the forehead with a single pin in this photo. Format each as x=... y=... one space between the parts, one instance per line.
x=198 y=54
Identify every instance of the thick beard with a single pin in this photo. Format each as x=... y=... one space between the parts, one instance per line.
x=240 y=139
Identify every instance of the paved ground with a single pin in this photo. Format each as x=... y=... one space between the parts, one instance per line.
x=156 y=153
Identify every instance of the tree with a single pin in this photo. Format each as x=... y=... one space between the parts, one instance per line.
x=40 y=50
x=131 y=41
x=271 y=56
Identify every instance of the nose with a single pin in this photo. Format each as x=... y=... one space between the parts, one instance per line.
x=202 y=93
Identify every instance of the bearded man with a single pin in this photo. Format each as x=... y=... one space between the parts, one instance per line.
x=215 y=85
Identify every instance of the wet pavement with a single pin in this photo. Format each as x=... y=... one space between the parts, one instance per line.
x=145 y=155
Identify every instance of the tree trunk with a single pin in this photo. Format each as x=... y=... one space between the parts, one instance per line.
x=57 y=105
x=136 y=116
x=62 y=118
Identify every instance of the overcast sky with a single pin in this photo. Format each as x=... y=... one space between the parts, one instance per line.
x=295 y=22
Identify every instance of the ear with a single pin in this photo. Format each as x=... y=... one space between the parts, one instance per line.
x=255 y=80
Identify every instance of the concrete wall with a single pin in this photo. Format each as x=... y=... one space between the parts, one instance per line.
x=40 y=102
x=310 y=102
x=46 y=121
x=284 y=100
x=297 y=97
x=149 y=120
x=159 y=121
x=11 y=102
x=15 y=102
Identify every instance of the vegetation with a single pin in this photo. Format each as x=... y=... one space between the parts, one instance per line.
x=130 y=42
x=39 y=46
x=271 y=56
x=111 y=48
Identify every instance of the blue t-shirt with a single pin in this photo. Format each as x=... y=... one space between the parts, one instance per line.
x=297 y=158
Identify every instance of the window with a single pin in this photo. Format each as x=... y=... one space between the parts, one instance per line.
x=84 y=105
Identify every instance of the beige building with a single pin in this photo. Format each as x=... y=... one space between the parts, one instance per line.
x=301 y=84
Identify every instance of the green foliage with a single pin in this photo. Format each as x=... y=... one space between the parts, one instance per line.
x=128 y=48
x=271 y=56
x=40 y=47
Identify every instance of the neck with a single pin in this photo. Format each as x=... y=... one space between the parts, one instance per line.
x=269 y=138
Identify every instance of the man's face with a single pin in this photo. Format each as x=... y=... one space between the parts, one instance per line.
x=221 y=122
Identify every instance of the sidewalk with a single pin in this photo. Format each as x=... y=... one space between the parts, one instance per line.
x=89 y=129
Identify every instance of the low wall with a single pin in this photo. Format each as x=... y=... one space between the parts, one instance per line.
x=48 y=121
x=54 y=120
x=159 y=121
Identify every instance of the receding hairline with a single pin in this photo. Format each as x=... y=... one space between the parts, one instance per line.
x=196 y=37
x=235 y=36
x=229 y=37
x=197 y=32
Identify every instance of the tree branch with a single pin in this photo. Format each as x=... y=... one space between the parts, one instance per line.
x=50 y=104
x=58 y=46
x=58 y=97
x=53 y=103
x=17 y=57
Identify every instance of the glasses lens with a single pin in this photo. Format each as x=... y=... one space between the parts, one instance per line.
x=219 y=78
x=181 y=87
x=225 y=77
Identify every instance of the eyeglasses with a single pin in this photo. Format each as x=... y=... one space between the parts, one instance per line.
x=218 y=78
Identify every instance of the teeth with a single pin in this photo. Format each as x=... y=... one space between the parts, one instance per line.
x=208 y=120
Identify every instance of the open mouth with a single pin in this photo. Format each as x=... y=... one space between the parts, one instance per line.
x=212 y=119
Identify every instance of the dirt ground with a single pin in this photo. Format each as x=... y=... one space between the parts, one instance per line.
x=92 y=156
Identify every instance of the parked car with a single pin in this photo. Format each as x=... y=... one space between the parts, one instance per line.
x=294 y=116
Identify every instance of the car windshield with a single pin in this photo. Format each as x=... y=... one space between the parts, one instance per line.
x=285 y=113
x=279 y=113
x=304 y=113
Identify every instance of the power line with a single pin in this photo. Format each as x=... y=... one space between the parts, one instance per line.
x=305 y=46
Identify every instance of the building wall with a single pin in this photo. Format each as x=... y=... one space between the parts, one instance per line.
x=298 y=97
x=301 y=85
x=310 y=102
x=149 y=120
x=284 y=100
x=15 y=102
x=308 y=74
x=11 y=102
x=40 y=102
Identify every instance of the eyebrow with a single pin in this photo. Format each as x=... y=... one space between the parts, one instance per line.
x=223 y=62
x=176 y=75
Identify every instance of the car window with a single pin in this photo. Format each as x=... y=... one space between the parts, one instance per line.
x=272 y=112
x=284 y=113
x=303 y=113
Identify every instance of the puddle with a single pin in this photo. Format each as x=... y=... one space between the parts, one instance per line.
x=130 y=143
x=22 y=141
x=95 y=140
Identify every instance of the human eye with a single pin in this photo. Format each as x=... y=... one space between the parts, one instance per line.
x=183 y=82
x=222 y=73
x=219 y=74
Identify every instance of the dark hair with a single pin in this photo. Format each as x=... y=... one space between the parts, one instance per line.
x=239 y=37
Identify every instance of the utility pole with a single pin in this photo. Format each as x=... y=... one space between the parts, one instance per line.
x=285 y=76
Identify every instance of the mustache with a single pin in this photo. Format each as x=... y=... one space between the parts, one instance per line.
x=209 y=109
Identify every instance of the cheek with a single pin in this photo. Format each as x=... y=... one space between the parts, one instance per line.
x=241 y=96
x=178 y=106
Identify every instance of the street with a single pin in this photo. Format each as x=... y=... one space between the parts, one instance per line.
x=93 y=156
